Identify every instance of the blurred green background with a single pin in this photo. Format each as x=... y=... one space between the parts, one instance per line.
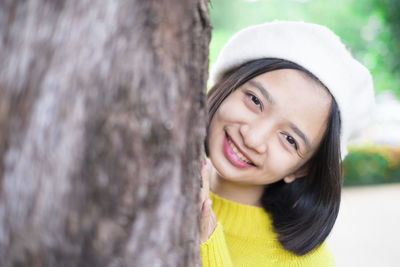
x=371 y=31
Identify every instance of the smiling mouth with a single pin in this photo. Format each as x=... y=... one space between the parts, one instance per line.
x=237 y=152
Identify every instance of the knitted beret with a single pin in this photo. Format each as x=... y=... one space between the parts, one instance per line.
x=317 y=49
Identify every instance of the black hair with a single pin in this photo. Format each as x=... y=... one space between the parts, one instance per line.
x=304 y=211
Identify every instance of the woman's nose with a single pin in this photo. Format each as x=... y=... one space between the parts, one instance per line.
x=254 y=138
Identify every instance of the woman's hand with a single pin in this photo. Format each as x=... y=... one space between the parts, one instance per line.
x=208 y=218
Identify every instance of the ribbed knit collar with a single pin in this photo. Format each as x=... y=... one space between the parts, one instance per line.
x=241 y=219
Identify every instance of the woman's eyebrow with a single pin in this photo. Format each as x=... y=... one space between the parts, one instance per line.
x=301 y=135
x=263 y=91
x=269 y=98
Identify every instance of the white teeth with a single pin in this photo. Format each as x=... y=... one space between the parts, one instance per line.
x=238 y=153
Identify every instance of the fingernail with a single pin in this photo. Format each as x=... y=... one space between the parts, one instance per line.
x=209 y=202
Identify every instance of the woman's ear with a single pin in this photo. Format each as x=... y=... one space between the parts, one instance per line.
x=290 y=178
x=303 y=171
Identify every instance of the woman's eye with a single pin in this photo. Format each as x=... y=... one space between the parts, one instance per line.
x=291 y=141
x=255 y=100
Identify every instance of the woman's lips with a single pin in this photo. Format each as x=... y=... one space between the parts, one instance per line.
x=231 y=155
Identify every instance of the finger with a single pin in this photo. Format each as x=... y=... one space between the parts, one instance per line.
x=205 y=218
x=204 y=223
x=208 y=221
x=213 y=218
x=206 y=207
x=208 y=211
x=212 y=222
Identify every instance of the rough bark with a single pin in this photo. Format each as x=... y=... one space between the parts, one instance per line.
x=102 y=114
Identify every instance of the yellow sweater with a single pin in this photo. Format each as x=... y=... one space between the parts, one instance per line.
x=244 y=237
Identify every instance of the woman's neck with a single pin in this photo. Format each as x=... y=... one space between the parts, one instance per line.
x=238 y=192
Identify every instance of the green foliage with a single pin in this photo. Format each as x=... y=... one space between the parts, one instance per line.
x=369 y=28
x=372 y=165
x=365 y=168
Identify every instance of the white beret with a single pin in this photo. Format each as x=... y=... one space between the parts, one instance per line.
x=317 y=49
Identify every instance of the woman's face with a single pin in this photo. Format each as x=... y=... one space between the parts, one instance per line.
x=268 y=128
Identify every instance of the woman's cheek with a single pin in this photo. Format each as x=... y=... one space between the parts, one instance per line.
x=279 y=158
x=230 y=111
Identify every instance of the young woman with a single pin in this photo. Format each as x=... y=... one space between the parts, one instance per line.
x=285 y=99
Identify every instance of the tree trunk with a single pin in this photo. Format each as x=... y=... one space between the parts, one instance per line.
x=102 y=114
